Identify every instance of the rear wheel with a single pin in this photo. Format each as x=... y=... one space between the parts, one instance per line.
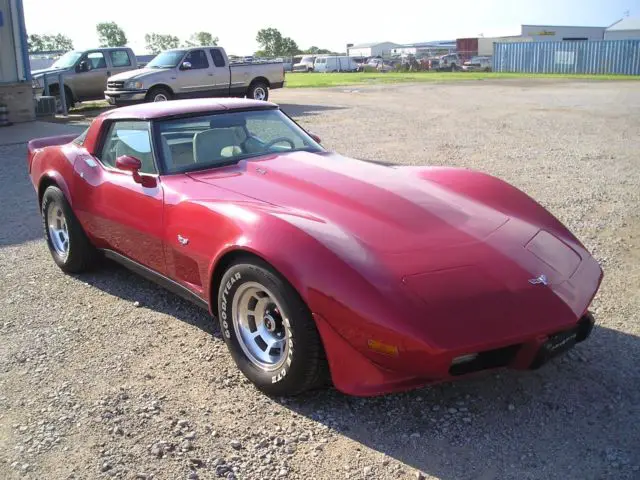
x=258 y=91
x=69 y=246
x=159 y=94
x=269 y=330
x=68 y=96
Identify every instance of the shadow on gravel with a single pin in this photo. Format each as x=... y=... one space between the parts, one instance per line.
x=570 y=419
x=116 y=280
x=300 y=110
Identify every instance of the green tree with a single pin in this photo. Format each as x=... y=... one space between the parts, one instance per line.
x=111 y=35
x=201 y=39
x=47 y=43
x=317 y=51
x=157 y=42
x=288 y=48
x=273 y=44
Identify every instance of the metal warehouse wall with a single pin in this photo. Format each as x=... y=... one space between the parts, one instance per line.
x=8 y=67
x=604 y=57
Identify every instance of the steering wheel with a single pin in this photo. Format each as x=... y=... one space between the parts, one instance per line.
x=278 y=140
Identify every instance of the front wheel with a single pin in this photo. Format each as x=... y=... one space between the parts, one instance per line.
x=159 y=94
x=258 y=91
x=269 y=330
x=69 y=246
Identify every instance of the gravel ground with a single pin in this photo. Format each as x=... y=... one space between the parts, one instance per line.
x=106 y=375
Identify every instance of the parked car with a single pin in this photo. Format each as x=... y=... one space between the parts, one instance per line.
x=449 y=63
x=194 y=72
x=478 y=64
x=85 y=73
x=334 y=63
x=384 y=278
x=305 y=64
x=376 y=64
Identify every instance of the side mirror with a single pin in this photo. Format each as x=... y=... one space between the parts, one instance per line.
x=128 y=163
x=315 y=137
x=83 y=66
x=185 y=66
x=133 y=165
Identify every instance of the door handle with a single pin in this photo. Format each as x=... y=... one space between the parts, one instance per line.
x=210 y=74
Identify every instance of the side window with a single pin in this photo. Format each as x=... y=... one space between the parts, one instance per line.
x=128 y=138
x=120 y=58
x=197 y=59
x=218 y=59
x=96 y=60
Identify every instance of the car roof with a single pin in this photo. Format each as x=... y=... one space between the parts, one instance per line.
x=155 y=110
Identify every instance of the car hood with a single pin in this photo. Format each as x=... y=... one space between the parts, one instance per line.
x=48 y=71
x=385 y=209
x=137 y=74
x=431 y=237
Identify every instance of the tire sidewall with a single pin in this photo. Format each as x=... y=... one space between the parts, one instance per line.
x=81 y=254
x=257 y=85
x=53 y=196
x=156 y=91
x=288 y=376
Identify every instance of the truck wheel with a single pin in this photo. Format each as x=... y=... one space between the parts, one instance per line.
x=159 y=94
x=258 y=91
x=54 y=91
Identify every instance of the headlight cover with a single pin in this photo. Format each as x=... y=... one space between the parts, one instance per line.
x=133 y=85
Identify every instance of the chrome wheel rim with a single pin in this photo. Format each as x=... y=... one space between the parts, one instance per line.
x=259 y=93
x=58 y=230
x=160 y=97
x=261 y=326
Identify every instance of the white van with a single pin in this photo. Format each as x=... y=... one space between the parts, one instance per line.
x=335 y=64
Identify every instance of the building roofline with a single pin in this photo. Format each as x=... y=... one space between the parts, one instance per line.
x=561 y=26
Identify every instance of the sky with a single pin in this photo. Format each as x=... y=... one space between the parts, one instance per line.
x=328 y=24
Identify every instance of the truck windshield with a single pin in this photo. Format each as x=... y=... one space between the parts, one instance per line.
x=214 y=140
x=167 y=59
x=69 y=59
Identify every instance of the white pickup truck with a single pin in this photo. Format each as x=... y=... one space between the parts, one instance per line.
x=194 y=73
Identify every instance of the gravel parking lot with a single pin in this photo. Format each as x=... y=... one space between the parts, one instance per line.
x=107 y=375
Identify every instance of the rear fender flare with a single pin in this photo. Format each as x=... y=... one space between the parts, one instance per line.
x=49 y=178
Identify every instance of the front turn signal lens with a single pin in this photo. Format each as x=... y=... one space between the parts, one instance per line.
x=383 y=348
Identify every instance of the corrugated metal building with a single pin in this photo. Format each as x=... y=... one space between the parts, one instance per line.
x=485 y=44
x=597 y=57
x=15 y=75
x=374 y=49
x=625 y=29
x=550 y=33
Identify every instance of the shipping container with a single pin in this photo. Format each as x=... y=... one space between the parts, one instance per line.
x=590 y=57
x=467 y=47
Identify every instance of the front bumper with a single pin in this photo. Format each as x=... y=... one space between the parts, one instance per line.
x=124 y=97
x=365 y=377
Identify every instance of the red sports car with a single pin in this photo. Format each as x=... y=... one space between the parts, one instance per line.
x=317 y=266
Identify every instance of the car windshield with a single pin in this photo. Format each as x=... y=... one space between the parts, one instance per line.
x=213 y=140
x=307 y=59
x=69 y=59
x=168 y=59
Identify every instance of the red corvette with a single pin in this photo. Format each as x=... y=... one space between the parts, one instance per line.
x=317 y=266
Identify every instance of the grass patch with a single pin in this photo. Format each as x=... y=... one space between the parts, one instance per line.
x=303 y=80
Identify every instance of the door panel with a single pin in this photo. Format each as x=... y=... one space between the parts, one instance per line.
x=120 y=61
x=199 y=79
x=117 y=212
x=121 y=214
x=92 y=84
x=221 y=73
